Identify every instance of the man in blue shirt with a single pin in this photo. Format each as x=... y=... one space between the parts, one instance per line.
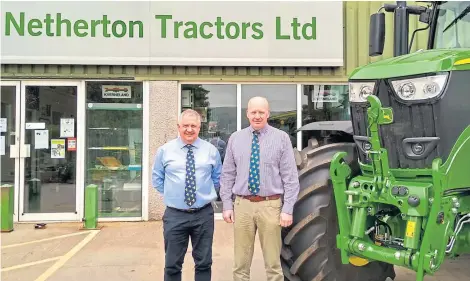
x=187 y=172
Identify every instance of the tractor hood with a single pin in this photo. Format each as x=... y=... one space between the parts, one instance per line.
x=426 y=61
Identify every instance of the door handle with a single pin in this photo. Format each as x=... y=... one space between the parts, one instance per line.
x=14 y=151
x=25 y=151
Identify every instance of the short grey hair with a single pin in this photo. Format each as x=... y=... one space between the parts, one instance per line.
x=190 y=112
x=258 y=99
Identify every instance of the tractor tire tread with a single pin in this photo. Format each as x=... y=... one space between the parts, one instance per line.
x=309 y=245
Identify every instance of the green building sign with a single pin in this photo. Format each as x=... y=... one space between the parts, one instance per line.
x=175 y=33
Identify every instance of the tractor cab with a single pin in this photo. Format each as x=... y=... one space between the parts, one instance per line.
x=427 y=90
x=447 y=26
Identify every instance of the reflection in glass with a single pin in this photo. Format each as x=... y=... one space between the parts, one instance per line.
x=217 y=105
x=283 y=106
x=453 y=25
x=7 y=134
x=49 y=180
x=114 y=146
x=323 y=103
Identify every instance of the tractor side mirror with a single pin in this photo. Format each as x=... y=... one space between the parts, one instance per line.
x=376 y=34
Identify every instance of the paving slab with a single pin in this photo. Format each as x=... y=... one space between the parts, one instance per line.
x=29 y=253
x=26 y=232
x=134 y=251
x=30 y=273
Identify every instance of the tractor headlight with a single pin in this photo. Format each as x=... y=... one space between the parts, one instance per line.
x=358 y=91
x=422 y=88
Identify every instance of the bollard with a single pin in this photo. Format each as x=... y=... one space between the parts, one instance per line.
x=7 y=207
x=91 y=207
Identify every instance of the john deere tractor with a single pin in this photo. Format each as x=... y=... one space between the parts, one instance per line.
x=391 y=186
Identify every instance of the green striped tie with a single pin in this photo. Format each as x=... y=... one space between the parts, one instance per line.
x=253 y=180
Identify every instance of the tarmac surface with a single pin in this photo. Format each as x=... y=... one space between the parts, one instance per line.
x=132 y=251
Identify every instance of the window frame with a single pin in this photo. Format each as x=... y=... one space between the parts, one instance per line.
x=146 y=173
x=299 y=87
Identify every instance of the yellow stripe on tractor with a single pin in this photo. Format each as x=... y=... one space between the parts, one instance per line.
x=462 y=62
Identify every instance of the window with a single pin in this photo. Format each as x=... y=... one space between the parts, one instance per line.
x=217 y=105
x=453 y=25
x=323 y=103
x=114 y=146
x=283 y=106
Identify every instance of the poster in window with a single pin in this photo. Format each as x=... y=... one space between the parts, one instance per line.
x=72 y=144
x=186 y=98
x=57 y=148
x=116 y=92
x=2 y=145
x=67 y=127
x=41 y=139
x=3 y=125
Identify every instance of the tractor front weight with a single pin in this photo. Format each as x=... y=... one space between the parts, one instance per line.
x=396 y=216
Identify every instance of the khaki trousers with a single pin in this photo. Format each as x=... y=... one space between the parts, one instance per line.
x=262 y=217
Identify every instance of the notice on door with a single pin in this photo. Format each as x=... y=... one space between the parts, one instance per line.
x=67 y=127
x=2 y=145
x=41 y=139
x=71 y=144
x=3 y=125
x=57 y=148
x=35 y=126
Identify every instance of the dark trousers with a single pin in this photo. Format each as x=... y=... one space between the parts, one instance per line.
x=178 y=226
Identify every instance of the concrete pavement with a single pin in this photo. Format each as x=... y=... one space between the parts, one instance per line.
x=131 y=251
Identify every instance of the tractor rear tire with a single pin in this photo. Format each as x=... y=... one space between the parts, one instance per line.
x=309 y=245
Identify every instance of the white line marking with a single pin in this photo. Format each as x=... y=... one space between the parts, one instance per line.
x=29 y=264
x=46 y=239
x=67 y=256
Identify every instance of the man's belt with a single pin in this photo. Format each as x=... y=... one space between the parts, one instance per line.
x=257 y=198
x=192 y=210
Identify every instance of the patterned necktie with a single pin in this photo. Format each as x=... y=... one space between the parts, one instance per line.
x=253 y=180
x=190 y=189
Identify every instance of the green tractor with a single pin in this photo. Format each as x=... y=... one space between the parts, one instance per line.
x=391 y=186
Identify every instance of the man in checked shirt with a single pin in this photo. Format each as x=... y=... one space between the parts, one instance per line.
x=259 y=171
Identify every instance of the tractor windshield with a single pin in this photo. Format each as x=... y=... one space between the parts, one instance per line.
x=453 y=25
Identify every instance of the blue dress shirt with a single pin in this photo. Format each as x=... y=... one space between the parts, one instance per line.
x=169 y=172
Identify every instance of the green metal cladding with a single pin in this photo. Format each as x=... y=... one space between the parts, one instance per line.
x=356 y=32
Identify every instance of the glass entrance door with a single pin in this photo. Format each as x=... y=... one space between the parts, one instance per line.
x=49 y=189
x=9 y=138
